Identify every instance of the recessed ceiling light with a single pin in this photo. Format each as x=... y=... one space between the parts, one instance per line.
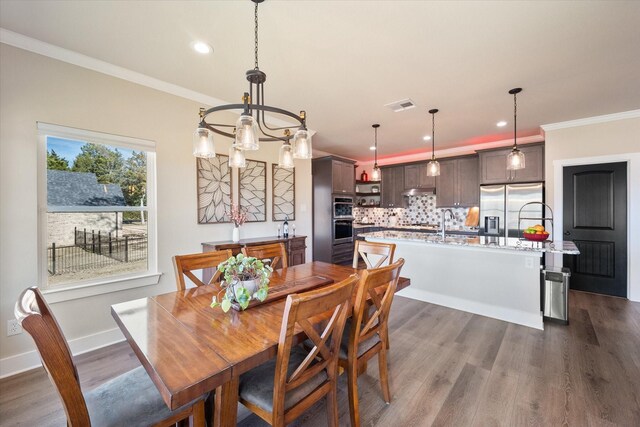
x=201 y=47
x=426 y=138
x=372 y=148
x=501 y=124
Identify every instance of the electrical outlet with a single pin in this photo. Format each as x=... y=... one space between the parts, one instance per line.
x=528 y=262
x=13 y=327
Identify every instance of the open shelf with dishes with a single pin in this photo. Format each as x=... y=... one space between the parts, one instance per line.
x=368 y=194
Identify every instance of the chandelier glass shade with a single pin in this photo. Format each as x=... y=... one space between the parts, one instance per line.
x=515 y=159
x=285 y=157
x=302 y=144
x=251 y=128
x=203 y=143
x=247 y=133
x=433 y=168
x=236 y=158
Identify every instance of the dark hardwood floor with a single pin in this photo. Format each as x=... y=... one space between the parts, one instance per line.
x=447 y=368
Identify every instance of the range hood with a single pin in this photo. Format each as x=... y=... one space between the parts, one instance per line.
x=419 y=191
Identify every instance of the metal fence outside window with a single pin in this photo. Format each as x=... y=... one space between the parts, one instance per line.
x=95 y=250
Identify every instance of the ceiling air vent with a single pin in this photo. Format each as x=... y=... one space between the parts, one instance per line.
x=402 y=105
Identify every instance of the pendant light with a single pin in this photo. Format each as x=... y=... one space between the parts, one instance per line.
x=515 y=159
x=433 y=168
x=203 y=141
x=375 y=173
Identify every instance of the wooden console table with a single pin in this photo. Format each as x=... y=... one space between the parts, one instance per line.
x=295 y=247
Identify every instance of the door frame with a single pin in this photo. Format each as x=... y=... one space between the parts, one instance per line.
x=633 y=208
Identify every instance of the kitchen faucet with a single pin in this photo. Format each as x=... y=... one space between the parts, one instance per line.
x=443 y=224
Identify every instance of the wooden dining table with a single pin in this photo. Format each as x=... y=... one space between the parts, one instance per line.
x=189 y=348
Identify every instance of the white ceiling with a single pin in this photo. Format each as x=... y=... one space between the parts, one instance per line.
x=342 y=61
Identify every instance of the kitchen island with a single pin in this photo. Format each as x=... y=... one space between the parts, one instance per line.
x=490 y=276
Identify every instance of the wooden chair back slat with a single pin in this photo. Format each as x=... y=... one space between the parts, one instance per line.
x=380 y=285
x=299 y=308
x=33 y=313
x=183 y=265
x=364 y=250
x=276 y=252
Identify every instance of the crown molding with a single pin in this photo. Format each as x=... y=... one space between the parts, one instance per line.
x=592 y=120
x=30 y=44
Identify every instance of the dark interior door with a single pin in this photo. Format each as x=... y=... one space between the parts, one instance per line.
x=595 y=218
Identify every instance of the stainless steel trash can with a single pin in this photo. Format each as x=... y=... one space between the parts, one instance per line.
x=556 y=294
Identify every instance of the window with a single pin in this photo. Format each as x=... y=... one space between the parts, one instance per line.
x=97 y=208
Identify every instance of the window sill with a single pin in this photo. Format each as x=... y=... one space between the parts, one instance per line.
x=112 y=284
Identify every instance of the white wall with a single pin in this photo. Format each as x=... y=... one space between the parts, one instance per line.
x=598 y=142
x=36 y=88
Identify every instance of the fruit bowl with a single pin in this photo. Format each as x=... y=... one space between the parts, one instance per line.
x=535 y=237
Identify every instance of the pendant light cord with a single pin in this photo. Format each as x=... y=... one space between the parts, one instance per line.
x=256 y=36
x=375 y=153
x=515 y=116
x=433 y=136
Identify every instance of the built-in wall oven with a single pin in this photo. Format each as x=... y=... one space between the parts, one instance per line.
x=342 y=231
x=342 y=207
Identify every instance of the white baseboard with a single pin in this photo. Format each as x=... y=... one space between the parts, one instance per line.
x=31 y=359
x=475 y=307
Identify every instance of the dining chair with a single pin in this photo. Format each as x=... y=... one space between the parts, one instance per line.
x=129 y=399
x=276 y=252
x=183 y=265
x=280 y=390
x=382 y=253
x=366 y=333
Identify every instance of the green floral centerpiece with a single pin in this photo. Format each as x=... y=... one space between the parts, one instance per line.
x=245 y=278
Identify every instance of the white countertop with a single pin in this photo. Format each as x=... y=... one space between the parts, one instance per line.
x=480 y=242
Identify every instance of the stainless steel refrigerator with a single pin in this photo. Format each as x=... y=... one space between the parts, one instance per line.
x=505 y=201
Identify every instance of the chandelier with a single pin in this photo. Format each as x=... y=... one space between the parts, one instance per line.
x=515 y=159
x=251 y=128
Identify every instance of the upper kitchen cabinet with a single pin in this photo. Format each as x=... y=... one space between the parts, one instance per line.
x=457 y=185
x=415 y=176
x=392 y=187
x=493 y=165
x=343 y=176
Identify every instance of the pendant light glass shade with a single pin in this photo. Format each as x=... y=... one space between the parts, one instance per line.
x=515 y=160
x=433 y=168
x=285 y=158
x=247 y=133
x=236 y=158
x=375 y=173
x=302 y=144
x=203 y=143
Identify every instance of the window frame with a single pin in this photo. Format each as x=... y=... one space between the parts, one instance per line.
x=102 y=285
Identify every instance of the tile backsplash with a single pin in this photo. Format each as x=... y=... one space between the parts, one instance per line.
x=421 y=210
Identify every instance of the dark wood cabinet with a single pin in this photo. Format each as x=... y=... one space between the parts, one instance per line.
x=343 y=177
x=295 y=247
x=493 y=165
x=457 y=185
x=415 y=176
x=332 y=176
x=467 y=184
x=446 y=184
x=392 y=187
